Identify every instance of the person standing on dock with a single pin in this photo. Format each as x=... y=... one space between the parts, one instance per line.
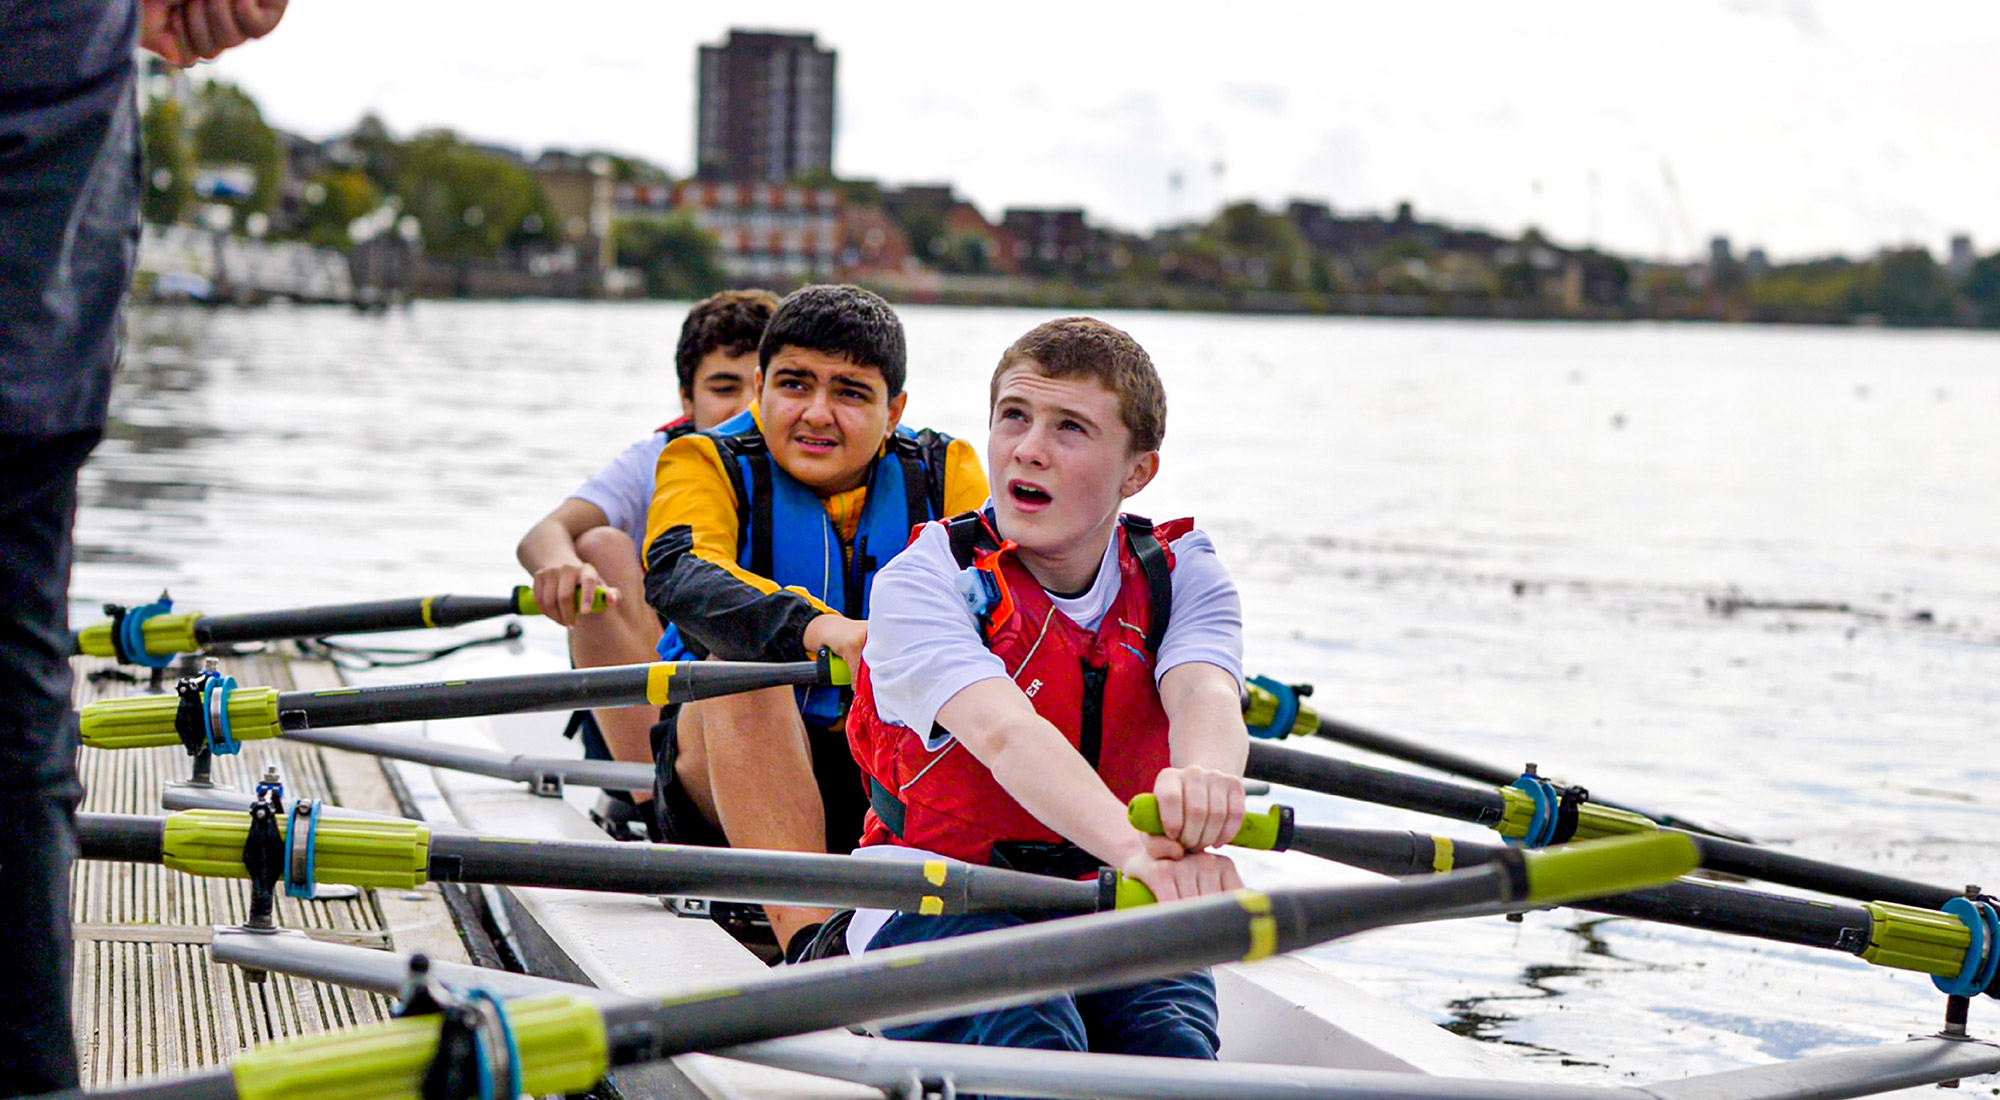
x=591 y=541
x=1033 y=666
x=763 y=542
x=69 y=228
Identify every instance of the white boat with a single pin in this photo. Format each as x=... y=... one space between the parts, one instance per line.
x=1289 y=1028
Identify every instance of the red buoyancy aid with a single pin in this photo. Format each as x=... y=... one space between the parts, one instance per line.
x=1097 y=687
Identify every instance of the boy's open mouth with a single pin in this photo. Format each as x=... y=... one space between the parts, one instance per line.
x=1025 y=493
x=815 y=442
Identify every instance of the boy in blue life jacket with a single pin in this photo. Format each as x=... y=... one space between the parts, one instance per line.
x=591 y=541
x=762 y=545
x=1032 y=666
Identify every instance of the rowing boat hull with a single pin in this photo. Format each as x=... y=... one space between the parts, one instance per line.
x=1285 y=1010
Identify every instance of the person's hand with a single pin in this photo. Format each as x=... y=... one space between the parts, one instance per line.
x=557 y=588
x=1172 y=873
x=186 y=31
x=1199 y=807
x=839 y=633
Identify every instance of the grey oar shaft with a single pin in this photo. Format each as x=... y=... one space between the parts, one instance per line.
x=1487 y=806
x=748 y=875
x=1021 y=965
x=611 y=774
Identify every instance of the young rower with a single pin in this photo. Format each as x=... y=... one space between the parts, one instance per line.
x=591 y=541
x=1033 y=666
x=765 y=535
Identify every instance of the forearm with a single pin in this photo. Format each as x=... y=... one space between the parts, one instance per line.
x=546 y=543
x=724 y=610
x=1036 y=765
x=1204 y=718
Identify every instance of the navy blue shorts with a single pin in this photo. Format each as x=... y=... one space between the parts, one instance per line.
x=1166 y=1017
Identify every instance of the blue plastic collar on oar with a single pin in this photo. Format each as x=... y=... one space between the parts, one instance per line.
x=305 y=815
x=128 y=633
x=1982 y=953
x=215 y=691
x=1288 y=709
x=490 y=1089
x=1548 y=804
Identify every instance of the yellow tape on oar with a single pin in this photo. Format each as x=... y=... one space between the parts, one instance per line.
x=164 y=635
x=381 y=852
x=559 y=1039
x=1613 y=865
x=147 y=721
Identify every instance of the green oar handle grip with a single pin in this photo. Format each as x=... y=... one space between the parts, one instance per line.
x=164 y=635
x=383 y=852
x=1124 y=891
x=559 y=1039
x=834 y=671
x=1270 y=830
x=525 y=603
x=147 y=721
x=1613 y=865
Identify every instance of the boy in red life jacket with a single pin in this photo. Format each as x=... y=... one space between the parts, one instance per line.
x=591 y=540
x=1032 y=667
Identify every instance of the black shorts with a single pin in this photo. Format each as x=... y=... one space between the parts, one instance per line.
x=841 y=791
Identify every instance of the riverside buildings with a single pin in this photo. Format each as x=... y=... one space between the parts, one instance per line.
x=765 y=112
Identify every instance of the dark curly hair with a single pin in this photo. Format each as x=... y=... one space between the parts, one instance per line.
x=732 y=322
x=839 y=320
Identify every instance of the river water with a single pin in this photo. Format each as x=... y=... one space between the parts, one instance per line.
x=1518 y=540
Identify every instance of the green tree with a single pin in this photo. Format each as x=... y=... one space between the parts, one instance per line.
x=1815 y=290
x=1906 y=286
x=230 y=130
x=335 y=198
x=169 y=161
x=676 y=257
x=470 y=203
x=1982 y=289
x=378 y=153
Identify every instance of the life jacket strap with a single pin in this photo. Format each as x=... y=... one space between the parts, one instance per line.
x=887 y=806
x=1152 y=558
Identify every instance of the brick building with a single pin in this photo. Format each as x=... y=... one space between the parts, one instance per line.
x=765 y=110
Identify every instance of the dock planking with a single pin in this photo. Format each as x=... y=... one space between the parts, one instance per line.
x=148 y=999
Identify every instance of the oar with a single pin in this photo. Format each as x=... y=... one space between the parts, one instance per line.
x=565 y=1042
x=400 y=854
x=890 y=1064
x=215 y=712
x=1519 y=811
x=1277 y=710
x=157 y=631
x=1945 y=945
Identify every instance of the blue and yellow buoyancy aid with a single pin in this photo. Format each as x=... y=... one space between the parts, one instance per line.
x=784 y=533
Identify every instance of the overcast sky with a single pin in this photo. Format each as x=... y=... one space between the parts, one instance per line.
x=1806 y=126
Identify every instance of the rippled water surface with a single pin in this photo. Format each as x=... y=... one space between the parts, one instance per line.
x=1516 y=540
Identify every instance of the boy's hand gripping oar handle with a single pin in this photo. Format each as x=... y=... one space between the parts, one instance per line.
x=524 y=601
x=1270 y=830
x=218 y=714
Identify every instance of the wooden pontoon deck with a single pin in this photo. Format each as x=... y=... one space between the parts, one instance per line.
x=148 y=998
